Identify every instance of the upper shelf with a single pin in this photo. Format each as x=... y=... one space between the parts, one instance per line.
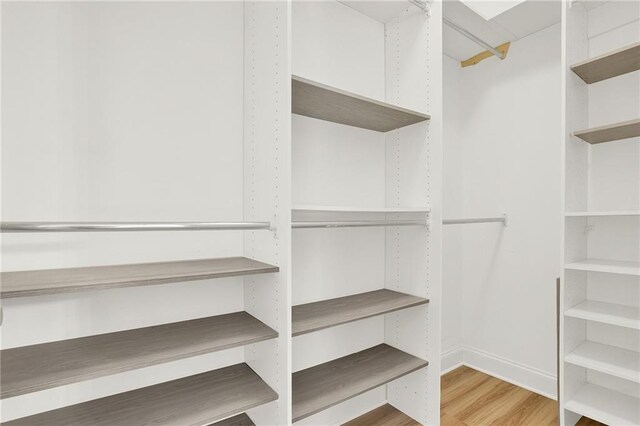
x=323 y=102
x=325 y=385
x=47 y=365
x=328 y=313
x=193 y=400
x=51 y=281
x=611 y=132
x=609 y=65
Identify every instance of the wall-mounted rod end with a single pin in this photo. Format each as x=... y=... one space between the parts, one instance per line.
x=505 y=222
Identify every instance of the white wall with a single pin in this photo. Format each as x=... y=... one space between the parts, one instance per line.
x=114 y=112
x=502 y=155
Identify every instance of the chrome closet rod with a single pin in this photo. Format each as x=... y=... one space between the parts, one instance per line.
x=11 y=227
x=357 y=224
x=502 y=219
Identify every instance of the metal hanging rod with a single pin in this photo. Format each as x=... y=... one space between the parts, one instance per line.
x=473 y=38
x=358 y=224
x=11 y=227
x=502 y=219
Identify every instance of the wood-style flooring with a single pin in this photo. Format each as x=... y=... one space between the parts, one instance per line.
x=472 y=398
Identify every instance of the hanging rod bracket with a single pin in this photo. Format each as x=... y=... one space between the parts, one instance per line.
x=494 y=51
x=424 y=5
x=273 y=226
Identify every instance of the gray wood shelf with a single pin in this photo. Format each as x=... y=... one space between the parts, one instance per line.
x=611 y=132
x=33 y=368
x=51 y=281
x=328 y=313
x=325 y=385
x=612 y=64
x=194 y=400
x=239 y=420
x=323 y=102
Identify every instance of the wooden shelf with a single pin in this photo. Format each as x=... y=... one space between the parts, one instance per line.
x=51 y=281
x=325 y=385
x=611 y=132
x=37 y=367
x=605 y=405
x=323 y=102
x=612 y=64
x=611 y=213
x=608 y=266
x=608 y=313
x=607 y=359
x=193 y=400
x=385 y=415
x=239 y=420
x=347 y=209
x=328 y=313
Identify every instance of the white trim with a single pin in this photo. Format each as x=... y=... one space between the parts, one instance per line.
x=520 y=375
x=451 y=359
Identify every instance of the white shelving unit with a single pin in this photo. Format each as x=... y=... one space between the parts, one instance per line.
x=147 y=114
x=599 y=349
x=366 y=144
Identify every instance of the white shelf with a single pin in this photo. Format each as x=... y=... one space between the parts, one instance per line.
x=351 y=209
x=607 y=359
x=604 y=213
x=608 y=313
x=604 y=405
x=609 y=266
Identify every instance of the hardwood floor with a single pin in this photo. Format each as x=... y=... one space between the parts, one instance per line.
x=472 y=398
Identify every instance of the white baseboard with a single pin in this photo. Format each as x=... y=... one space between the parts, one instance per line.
x=451 y=360
x=520 y=375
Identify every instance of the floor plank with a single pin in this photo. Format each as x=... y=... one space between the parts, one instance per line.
x=472 y=398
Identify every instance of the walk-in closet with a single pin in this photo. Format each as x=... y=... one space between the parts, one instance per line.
x=320 y=213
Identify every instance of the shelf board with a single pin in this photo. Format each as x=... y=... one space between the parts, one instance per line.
x=194 y=400
x=325 y=385
x=323 y=102
x=52 y=281
x=612 y=64
x=608 y=313
x=33 y=368
x=239 y=420
x=611 y=132
x=605 y=405
x=348 y=209
x=604 y=213
x=607 y=359
x=328 y=313
x=609 y=266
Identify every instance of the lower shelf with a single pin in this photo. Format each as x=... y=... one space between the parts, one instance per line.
x=608 y=266
x=605 y=405
x=239 y=420
x=607 y=359
x=328 y=313
x=607 y=313
x=325 y=385
x=194 y=400
x=381 y=416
